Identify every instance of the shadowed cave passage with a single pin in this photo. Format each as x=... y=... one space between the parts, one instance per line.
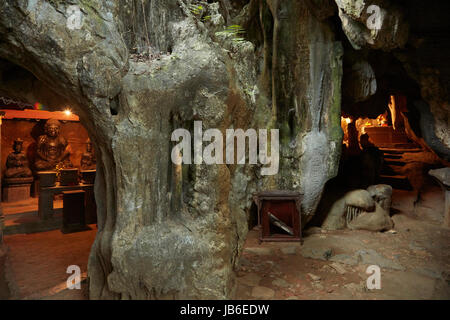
x=386 y=139
x=388 y=135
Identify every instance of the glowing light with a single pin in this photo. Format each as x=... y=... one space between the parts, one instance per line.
x=39 y=106
x=347 y=120
x=67 y=112
x=382 y=120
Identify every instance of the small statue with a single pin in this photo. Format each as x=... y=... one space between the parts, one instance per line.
x=88 y=161
x=17 y=162
x=52 y=149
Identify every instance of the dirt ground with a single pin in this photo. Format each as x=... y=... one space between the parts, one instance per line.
x=414 y=259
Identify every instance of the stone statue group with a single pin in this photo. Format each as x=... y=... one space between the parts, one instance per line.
x=53 y=152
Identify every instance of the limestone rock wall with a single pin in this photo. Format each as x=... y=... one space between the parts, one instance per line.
x=378 y=24
x=166 y=231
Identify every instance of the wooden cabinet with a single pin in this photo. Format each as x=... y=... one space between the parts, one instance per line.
x=279 y=215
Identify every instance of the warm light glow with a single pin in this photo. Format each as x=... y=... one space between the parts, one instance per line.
x=347 y=120
x=382 y=120
x=68 y=112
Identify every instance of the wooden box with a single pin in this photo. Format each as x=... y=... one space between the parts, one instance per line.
x=47 y=178
x=279 y=215
x=69 y=177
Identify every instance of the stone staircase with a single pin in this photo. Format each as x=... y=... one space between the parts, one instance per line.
x=394 y=144
x=391 y=173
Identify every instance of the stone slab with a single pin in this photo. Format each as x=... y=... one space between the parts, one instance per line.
x=13 y=193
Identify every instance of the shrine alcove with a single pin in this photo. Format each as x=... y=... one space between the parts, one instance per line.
x=48 y=173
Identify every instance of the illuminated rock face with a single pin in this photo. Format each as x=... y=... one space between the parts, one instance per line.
x=410 y=34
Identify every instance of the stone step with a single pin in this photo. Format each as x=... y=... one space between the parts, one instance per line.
x=396 y=181
x=393 y=156
x=389 y=170
x=413 y=149
x=393 y=164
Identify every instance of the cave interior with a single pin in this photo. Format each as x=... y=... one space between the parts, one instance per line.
x=392 y=117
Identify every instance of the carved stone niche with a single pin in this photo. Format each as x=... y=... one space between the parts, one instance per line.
x=279 y=215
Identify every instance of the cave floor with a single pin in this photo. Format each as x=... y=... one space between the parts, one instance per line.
x=37 y=263
x=22 y=217
x=414 y=259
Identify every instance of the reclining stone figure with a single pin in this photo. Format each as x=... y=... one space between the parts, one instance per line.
x=362 y=210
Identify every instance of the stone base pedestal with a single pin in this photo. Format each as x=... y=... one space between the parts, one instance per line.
x=16 y=192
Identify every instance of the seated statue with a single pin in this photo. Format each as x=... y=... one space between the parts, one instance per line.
x=88 y=161
x=17 y=162
x=52 y=149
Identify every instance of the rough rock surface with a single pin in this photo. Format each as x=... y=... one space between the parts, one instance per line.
x=443 y=175
x=134 y=72
x=361 y=82
x=359 y=22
